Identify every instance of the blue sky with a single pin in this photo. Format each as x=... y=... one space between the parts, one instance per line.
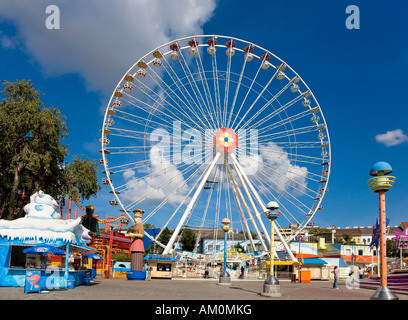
x=358 y=76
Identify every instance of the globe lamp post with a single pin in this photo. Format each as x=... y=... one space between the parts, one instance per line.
x=225 y=278
x=381 y=183
x=271 y=287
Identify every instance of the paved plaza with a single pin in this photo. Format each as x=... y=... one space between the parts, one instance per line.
x=200 y=289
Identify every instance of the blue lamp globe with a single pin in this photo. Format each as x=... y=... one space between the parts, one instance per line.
x=380 y=168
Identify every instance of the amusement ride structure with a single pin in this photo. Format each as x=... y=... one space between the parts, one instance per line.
x=210 y=127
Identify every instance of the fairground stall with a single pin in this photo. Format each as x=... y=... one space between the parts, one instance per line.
x=43 y=231
x=161 y=265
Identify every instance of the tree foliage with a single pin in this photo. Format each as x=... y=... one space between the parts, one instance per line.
x=81 y=179
x=348 y=239
x=318 y=231
x=188 y=240
x=32 y=157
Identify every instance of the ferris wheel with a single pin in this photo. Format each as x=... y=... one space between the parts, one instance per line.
x=210 y=126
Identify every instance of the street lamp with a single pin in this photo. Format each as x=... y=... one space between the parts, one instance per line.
x=271 y=287
x=225 y=278
x=381 y=183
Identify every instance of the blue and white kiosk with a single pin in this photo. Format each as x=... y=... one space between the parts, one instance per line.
x=41 y=226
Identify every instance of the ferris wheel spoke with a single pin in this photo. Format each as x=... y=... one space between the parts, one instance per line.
x=282 y=157
x=246 y=96
x=290 y=156
x=201 y=104
x=128 y=134
x=203 y=180
x=131 y=166
x=154 y=190
x=240 y=171
x=146 y=178
x=282 y=206
x=178 y=101
x=273 y=113
x=292 y=171
x=288 y=179
x=142 y=120
x=167 y=167
x=239 y=198
x=258 y=97
x=124 y=150
x=269 y=102
x=204 y=216
x=283 y=122
x=167 y=199
x=227 y=83
x=288 y=165
x=164 y=114
x=216 y=87
x=254 y=208
x=120 y=114
x=286 y=133
x=184 y=92
x=148 y=108
x=207 y=91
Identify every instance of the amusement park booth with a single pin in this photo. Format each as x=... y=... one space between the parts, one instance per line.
x=55 y=271
x=120 y=269
x=41 y=227
x=161 y=265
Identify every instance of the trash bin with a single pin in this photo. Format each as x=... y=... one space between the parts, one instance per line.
x=71 y=282
x=87 y=278
x=305 y=276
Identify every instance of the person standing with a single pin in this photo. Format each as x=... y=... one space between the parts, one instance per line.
x=336 y=277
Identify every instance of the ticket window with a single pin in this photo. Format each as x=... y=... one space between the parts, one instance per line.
x=164 y=267
x=32 y=261
x=77 y=263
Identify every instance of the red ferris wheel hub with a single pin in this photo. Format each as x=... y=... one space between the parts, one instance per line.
x=226 y=140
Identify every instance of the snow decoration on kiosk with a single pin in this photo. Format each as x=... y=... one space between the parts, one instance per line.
x=42 y=222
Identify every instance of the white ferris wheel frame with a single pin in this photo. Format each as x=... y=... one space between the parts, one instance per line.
x=249 y=190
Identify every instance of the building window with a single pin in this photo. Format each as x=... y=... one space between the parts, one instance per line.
x=360 y=252
x=212 y=247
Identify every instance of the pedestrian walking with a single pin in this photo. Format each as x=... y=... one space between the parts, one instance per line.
x=336 y=277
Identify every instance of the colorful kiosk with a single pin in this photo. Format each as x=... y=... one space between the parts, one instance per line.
x=41 y=226
x=161 y=265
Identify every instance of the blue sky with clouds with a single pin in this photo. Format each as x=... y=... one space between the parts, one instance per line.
x=358 y=76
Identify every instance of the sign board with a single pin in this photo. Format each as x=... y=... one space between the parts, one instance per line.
x=33 y=281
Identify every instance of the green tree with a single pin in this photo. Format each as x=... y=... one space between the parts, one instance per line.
x=348 y=239
x=165 y=236
x=246 y=234
x=317 y=231
x=391 y=246
x=81 y=180
x=239 y=248
x=188 y=240
x=32 y=157
x=164 y=239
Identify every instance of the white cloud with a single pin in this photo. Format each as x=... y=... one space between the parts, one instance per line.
x=101 y=39
x=281 y=173
x=161 y=181
x=392 y=138
x=8 y=42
